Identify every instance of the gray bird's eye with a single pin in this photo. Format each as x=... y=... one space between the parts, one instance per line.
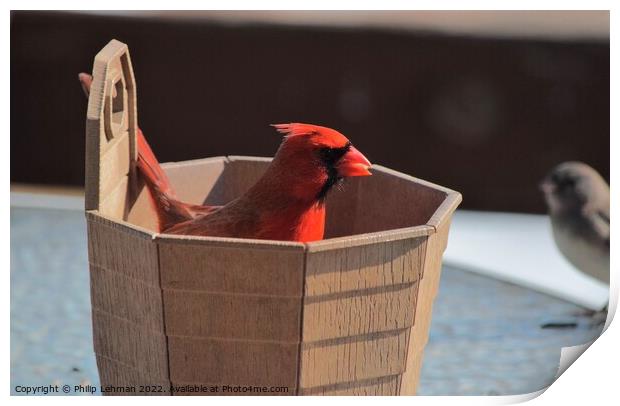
x=566 y=183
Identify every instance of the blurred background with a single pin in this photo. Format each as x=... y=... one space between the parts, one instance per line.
x=482 y=102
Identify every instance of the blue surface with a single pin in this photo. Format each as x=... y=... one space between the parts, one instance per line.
x=485 y=337
x=51 y=337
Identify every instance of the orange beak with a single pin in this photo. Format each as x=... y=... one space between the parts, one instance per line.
x=353 y=163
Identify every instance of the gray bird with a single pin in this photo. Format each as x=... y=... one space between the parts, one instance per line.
x=577 y=197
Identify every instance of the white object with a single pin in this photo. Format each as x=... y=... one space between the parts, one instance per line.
x=519 y=248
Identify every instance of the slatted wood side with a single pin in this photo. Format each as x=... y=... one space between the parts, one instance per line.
x=428 y=289
x=384 y=386
x=358 y=311
x=232 y=311
x=127 y=307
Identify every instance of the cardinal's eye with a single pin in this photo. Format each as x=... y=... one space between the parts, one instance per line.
x=329 y=156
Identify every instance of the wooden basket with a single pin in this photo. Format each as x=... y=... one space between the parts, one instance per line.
x=192 y=315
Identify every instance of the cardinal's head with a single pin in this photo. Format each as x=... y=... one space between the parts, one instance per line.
x=317 y=158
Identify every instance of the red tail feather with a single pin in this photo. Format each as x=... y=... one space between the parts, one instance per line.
x=150 y=168
x=169 y=210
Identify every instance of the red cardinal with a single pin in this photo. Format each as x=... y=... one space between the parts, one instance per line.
x=287 y=203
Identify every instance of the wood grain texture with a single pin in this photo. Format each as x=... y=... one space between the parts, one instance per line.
x=116 y=247
x=232 y=316
x=127 y=298
x=353 y=358
x=384 y=386
x=234 y=307
x=364 y=267
x=111 y=126
x=429 y=284
x=118 y=379
x=428 y=287
x=231 y=267
x=408 y=381
x=359 y=314
x=130 y=344
x=359 y=307
x=232 y=362
x=127 y=307
x=128 y=323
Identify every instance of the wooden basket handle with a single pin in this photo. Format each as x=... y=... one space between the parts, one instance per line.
x=111 y=127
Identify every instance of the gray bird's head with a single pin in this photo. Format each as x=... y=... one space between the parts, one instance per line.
x=570 y=186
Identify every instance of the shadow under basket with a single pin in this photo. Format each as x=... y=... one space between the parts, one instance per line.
x=348 y=315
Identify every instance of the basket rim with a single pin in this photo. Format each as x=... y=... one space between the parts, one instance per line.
x=442 y=214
